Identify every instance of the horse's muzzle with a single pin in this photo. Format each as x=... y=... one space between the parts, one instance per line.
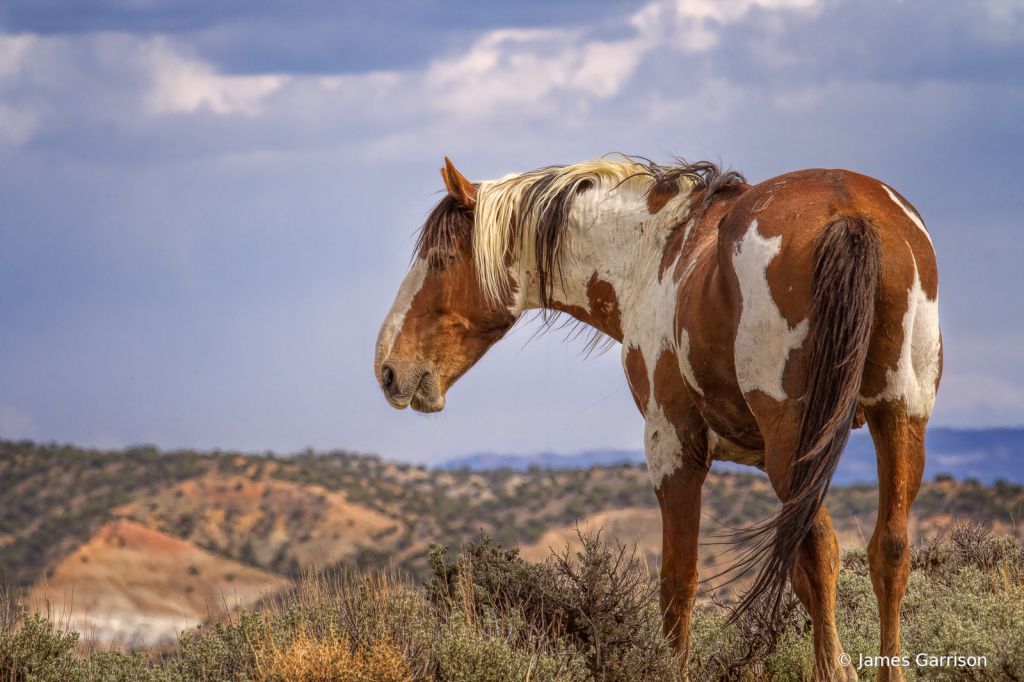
x=416 y=386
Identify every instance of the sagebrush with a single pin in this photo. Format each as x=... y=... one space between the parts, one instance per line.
x=488 y=615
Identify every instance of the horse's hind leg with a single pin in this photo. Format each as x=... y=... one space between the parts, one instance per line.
x=816 y=570
x=814 y=581
x=899 y=442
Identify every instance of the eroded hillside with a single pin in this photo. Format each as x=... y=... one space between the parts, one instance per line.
x=269 y=518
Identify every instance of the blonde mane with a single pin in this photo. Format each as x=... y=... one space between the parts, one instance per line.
x=525 y=216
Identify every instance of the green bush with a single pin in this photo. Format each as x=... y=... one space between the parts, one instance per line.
x=965 y=595
x=38 y=651
x=602 y=603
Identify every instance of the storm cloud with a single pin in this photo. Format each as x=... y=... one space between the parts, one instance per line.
x=207 y=207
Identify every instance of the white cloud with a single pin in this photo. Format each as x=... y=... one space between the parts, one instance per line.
x=521 y=68
x=182 y=85
x=695 y=25
x=526 y=68
x=13 y=52
x=61 y=82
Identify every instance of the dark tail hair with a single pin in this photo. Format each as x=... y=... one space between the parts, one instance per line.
x=847 y=262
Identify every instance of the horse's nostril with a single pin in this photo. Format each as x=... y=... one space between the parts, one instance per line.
x=387 y=377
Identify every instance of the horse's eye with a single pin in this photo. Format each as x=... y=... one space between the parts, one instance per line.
x=439 y=258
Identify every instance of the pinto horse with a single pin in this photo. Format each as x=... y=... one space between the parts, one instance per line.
x=758 y=324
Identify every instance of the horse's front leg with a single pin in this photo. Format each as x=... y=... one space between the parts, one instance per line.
x=677 y=455
x=679 y=497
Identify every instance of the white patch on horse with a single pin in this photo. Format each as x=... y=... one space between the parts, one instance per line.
x=614 y=188
x=913 y=216
x=410 y=286
x=661 y=444
x=613 y=235
x=684 y=362
x=915 y=377
x=764 y=338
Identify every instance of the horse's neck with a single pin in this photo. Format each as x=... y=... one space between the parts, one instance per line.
x=614 y=250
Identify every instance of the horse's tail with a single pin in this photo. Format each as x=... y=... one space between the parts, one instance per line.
x=846 y=270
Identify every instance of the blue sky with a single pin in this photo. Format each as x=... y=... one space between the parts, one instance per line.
x=206 y=208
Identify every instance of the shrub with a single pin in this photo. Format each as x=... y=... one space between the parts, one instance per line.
x=488 y=615
x=39 y=650
x=965 y=595
x=602 y=604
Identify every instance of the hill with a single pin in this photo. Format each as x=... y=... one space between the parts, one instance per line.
x=280 y=515
x=135 y=585
x=489 y=615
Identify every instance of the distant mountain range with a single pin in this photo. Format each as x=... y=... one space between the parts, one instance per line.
x=987 y=455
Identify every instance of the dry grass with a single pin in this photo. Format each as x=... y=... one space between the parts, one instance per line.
x=329 y=659
x=489 y=616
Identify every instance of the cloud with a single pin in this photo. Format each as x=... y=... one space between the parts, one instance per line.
x=525 y=68
x=221 y=205
x=504 y=73
x=520 y=69
x=184 y=85
x=695 y=25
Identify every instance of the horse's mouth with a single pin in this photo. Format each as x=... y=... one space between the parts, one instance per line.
x=420 y=391
x=427 y=403
x=426 y=397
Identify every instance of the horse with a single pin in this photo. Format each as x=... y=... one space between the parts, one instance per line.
x=758 y=324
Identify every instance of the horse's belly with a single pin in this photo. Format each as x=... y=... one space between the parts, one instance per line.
x=724 y=450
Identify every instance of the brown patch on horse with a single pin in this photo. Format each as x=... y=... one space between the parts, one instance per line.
x=886 y=345
x=660 y=194
x=700 y=226
x=905 y=246
x=448 y=229
x=636 y=375
x=604 y=307
x=706 y=312
x=603 y=313
x=796 y=217
x=920 y=244
x=448 y=312
x=673 y=396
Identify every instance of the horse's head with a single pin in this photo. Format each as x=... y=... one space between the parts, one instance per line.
x=442 y=321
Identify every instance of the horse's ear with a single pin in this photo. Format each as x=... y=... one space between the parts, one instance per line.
x=458 y=186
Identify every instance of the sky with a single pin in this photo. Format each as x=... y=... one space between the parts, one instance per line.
x=206 y=208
